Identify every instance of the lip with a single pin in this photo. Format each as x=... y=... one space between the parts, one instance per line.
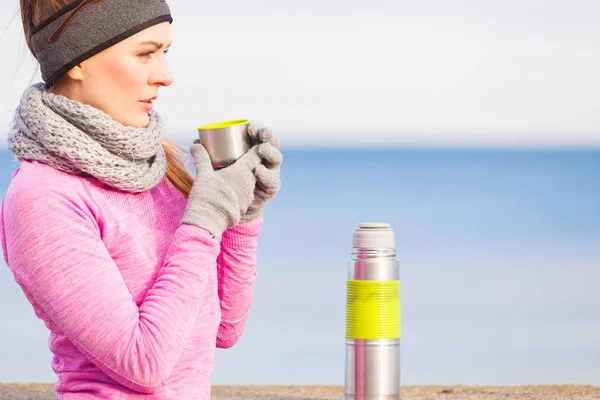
x=148 y=103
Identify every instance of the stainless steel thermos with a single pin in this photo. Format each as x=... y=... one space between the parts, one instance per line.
x=373 y=316
x=225 y=141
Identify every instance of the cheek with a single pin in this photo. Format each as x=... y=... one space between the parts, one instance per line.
x=117 y=87
x=120 y=80
x=127 y=78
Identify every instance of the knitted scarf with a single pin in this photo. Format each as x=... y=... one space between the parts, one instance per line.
x=78 y=138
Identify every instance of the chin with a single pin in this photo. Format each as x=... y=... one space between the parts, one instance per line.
x=144 y=121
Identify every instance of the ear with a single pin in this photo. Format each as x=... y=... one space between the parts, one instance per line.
x=76 y=73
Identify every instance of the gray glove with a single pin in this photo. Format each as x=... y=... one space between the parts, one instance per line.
x=267 y=174
x=217 y=198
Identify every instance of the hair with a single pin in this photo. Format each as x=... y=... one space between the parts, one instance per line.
x=33 y=12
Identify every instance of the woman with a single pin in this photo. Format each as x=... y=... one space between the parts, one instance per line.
x=138 y=270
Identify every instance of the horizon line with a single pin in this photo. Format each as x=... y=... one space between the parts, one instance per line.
x=431 y=147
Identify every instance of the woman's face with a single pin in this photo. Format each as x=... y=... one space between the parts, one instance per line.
x=123 y=80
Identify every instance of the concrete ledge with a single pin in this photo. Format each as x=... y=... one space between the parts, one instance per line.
x=550 y=392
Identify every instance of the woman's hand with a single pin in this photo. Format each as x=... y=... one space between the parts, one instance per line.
x=218 y=198
x=268 y=179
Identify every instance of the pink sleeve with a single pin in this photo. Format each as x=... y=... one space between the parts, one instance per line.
x=54 y=248
x=236 y=267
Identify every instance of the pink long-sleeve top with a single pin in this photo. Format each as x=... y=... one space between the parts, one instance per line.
x=135 y=302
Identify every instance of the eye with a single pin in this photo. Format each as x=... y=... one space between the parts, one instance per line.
x=147 y=54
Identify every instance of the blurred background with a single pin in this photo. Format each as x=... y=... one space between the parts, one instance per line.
x=473 y=128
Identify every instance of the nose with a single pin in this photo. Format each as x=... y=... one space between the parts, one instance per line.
x=162 y=75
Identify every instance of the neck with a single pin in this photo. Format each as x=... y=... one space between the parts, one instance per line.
x=67 y=88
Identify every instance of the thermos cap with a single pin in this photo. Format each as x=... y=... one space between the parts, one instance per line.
x=373 y=235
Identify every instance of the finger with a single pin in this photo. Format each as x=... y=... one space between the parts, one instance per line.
x=274 y=141
x=200 y=156
x=267 y=136
x=262 y=134
x=254 y=130
x=269 y=180
x=250 y=159
x=271 y=156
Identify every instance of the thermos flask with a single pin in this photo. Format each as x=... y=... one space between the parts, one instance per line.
x=373 y=316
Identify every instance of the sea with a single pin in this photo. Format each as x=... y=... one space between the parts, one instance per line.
x=499 y=254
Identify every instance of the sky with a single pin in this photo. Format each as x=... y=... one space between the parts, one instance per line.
x=378 y=73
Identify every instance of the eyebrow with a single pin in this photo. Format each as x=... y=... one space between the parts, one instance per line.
x=156 y=44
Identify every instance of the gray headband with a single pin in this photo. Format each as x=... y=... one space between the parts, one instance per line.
x=86 y=27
